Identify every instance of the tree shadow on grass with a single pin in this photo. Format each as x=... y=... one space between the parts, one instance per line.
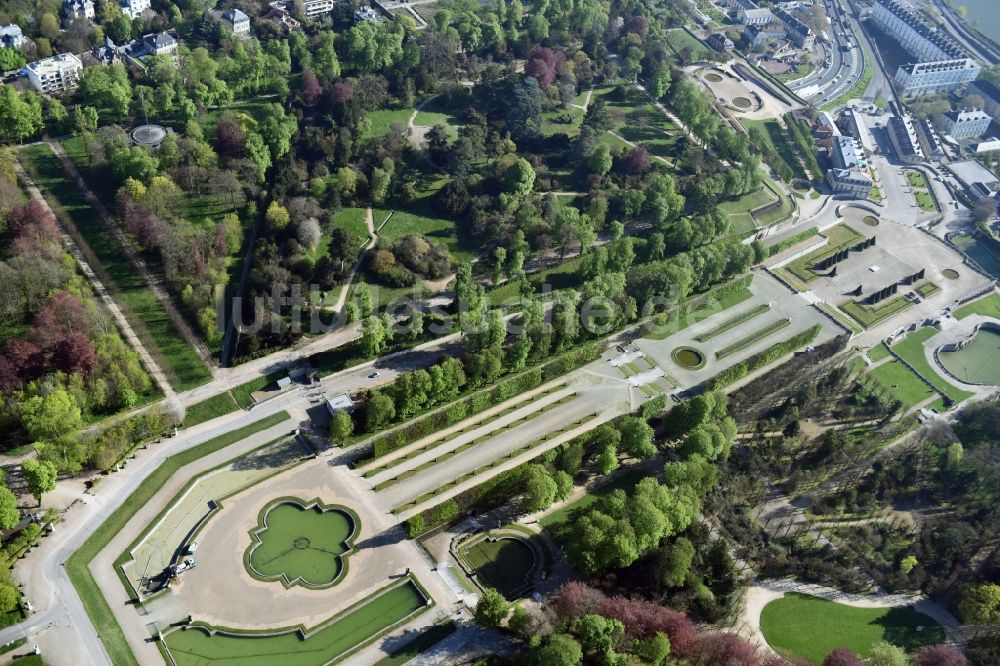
x=900 y=628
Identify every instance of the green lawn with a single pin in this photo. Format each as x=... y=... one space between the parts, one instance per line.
x=553 y=122
x=738 y=210
x=799 y=626
x=179 y=361
x=897 y=380
x=988 y=306
x=777 y=214
x=210 y=408
x=925 y=201
x=343 y=633
x=878 y=352
x=869 y=315
x=297 y=542
x=679 y=39
x=839 y=237
x=380 y=122
x=77 y=566
x=423 y=642
x=911 y=348
x=436 y=112
x=779 y=139
x=916 y=179
x=420 y=218
x=352 y=220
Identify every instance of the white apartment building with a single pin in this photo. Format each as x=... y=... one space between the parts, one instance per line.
x=134 y=8
x=919 y=40
x=965 y=124
x=77 y=9
x=755 y=16
x=55 y=75
x=929 y=78
x=312 y=8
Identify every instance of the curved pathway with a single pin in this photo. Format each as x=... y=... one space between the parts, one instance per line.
x=417 y=138
x=155 y=371
x=372 y=241
x=763 y=592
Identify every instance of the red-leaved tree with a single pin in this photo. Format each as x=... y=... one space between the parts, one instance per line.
x=311 y=89
x=62 y=316
x=720 y=648
x=842 y=657
x=75 y=354
x=940 y=655
x=229 y=138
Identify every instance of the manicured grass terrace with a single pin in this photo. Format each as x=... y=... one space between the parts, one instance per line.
x=911 y=348
x=869 y=315
x=753 y=338
x=806 y=627
x=77 y=566
x=988 y=306
x=900 y=382
x=839 y=237
x=733 y=322
x=331 y=641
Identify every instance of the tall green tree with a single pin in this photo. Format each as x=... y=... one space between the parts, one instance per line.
x=9 y=514
x=492 y=609
x=40 y=475
x=20 y=115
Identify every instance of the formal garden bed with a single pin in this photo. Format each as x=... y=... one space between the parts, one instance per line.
x=334 y=640
x=302 y=543
x=503 y=560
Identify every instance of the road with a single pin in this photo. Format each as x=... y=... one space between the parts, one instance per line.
x=46 y=583
x=843 y=68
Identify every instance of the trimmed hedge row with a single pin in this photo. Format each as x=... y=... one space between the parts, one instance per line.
x=480 y=401
x=792 y=240
x=769 y=355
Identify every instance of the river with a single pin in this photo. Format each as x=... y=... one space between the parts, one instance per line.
x=984 y=14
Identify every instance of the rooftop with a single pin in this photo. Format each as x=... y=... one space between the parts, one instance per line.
x=971 y=171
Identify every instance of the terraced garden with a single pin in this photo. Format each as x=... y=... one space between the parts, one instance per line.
x=505 y=563
x=839 y=237
x=344 y=633
x=413 y=471
x=753 y=338
x=870 y=315
x=471 y=424
x=733 y=322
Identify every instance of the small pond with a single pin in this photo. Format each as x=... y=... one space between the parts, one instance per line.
x=978 y=362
